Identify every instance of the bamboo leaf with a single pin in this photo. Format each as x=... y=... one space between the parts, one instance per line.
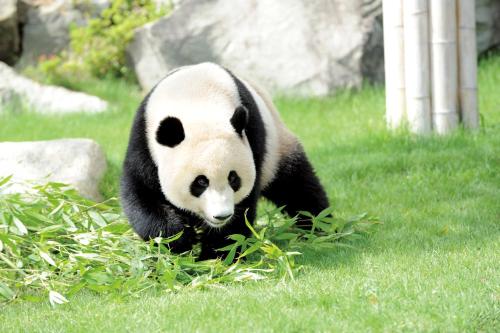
x=6 y=292
x=230 y=257
x=56 y=298
x=45 y=256
x=5 y=180
x=20 y=226
x=53 y=238
x=97 y=218
x=251 y=249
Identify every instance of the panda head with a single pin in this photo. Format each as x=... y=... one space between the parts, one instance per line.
x=206 y=169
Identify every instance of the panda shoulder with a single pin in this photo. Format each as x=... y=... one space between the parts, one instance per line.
x=286 y=138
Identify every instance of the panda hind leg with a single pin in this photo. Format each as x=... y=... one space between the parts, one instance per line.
x=296 y=187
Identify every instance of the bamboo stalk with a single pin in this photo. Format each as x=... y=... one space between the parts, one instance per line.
x=417 y=66
x=394 y=62
x=467 y=55
x=443 y=23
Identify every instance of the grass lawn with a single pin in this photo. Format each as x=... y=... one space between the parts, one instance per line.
x=434 y=265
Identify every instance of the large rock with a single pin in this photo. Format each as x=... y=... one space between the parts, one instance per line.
x=167 y=3
x=18 y=91
x=77 y=162
x=487 y=24
x=47 y=24
x=9 y=32
x=296 y=46
x=372 y=56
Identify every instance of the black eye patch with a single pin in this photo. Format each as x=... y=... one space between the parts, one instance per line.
x=234 y=180
x=199 y=185
x=239 y=120
x=170 y=132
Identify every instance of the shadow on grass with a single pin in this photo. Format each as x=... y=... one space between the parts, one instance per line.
x=325 y=259
x=433 y=194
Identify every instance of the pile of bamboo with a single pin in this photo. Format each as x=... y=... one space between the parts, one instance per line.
x=430 y=64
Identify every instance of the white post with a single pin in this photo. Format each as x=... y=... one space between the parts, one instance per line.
x=430 y=64
x=417 y=66
x=443 y=24
x=467 y=63
x=394 y=62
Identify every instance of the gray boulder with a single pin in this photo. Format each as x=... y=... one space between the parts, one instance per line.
x=166 y=3
x=372 y=55
x=296 y=46
x=47 y=24
x=9 y=32
x=487 y=24
x=78 y=162
x=18 y=91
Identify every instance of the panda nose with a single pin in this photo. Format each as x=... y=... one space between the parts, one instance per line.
x=223 y=217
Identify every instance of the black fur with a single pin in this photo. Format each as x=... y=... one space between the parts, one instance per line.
x=149 y=213
x=256 y=135
x=296 y=186
x=199 y=185
x=239 y=119
x=170 y=132
x=234 y=180
x=152 y=215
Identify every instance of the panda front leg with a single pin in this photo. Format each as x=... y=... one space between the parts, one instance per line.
x=151 y=216
x=214 y=239
x=296 y=186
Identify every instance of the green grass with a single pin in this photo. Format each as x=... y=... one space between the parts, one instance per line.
x=432 y=266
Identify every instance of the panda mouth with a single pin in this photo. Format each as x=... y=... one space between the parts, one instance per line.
x=217 y=223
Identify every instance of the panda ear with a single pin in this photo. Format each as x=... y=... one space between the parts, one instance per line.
x=239 y=119
x=170 y=132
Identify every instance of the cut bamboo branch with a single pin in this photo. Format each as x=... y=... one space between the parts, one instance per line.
x=394 y=62
x=467 y=63
x=417 y=66
x=443 y=26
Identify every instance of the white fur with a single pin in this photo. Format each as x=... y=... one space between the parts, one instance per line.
x=280 y=141
x=271 y=159
x=218 y=203
x=204 y=97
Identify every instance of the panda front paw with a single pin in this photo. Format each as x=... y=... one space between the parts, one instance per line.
x=207 y=254
x=185 y=241
x=211 y=253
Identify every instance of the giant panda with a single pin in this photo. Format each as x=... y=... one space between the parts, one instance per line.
x=204 y=146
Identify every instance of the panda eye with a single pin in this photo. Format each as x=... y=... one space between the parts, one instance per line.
x=202 y=181
x=199 y=185
x=234 y=180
